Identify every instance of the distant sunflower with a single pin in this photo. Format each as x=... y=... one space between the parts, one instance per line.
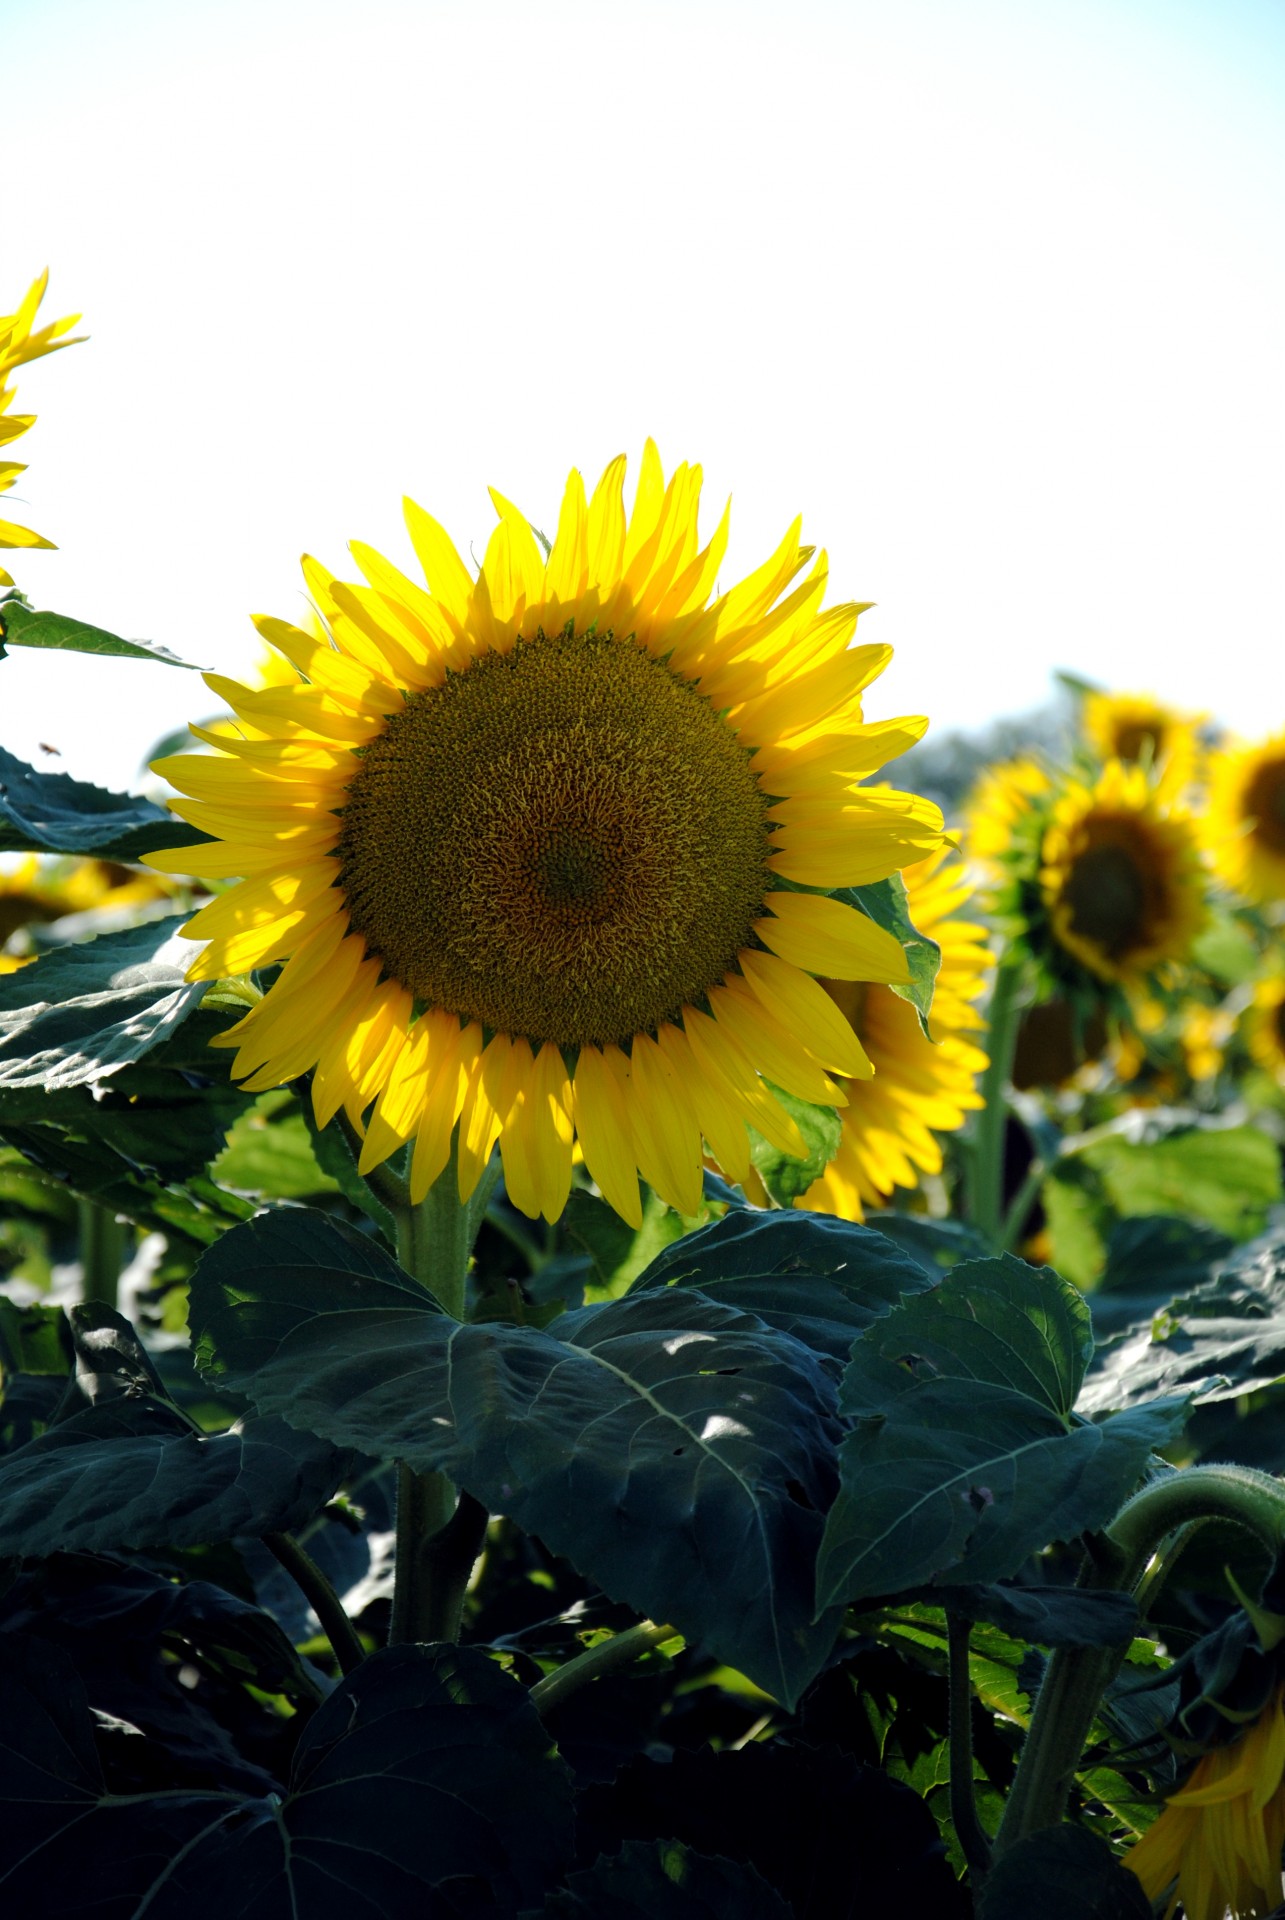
x=18 y=344
x=550 y=852
x=1245 y=821
x=1218 y=1842
x=1000 y=806
x=1137 y=728
x=35 y=892
x=919 y=1089
x=1265 y=1025
x=1120 y=876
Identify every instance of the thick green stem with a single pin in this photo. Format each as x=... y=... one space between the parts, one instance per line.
x=974 y=1844
x=438 y=1537
x=986 y=1170
x=1077 y=1677
x=321 y=1597
x=1019 y=1209
x=104 y=1245
x=620 y=1651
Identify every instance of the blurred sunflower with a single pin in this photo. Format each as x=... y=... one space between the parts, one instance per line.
x=18 y=344
x=1002 y=801
x=551 y=853
x=1137 y=728
x=35 y=892
x=1265 y=1025
x=1244 y=826
x=919 y=1089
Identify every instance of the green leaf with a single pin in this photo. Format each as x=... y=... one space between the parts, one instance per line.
x=82 y=1012
x=22 y=626
x=1178 y=1163
x=128 y=1476
x=1226 y=949
x=52 y=813
x=934 y=1245
x=647 y=1878
x=786 y=1177
x=887 y=904
x=270 y=1153
x=966 y=1456
x=33 y=1339
x=339 y=1166
x=1077 y=1217
x=1158 y=1253
x=821 y=1279
x=1069 y=1874
x=1045 y=1616
x=427 y=1768
x=618 y=1252
x=677 y=1451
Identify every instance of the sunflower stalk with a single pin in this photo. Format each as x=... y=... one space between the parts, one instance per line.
x=104 y=1246
x=986 y=1169
x=1077 y=1677
x=973 y=1840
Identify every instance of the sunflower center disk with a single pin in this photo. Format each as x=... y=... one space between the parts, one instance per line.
x=1265 y=803
x=564 y=842
x=1108 y=895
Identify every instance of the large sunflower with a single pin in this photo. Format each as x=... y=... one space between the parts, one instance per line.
x=1245 y=821
x=1120 y=875
x=19 y=344
x=919 y=1088
x=1139 y=729
x=550 y=852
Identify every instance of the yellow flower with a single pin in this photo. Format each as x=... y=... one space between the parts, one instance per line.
x=532 y=845
x=1265 y=1025
x=1135 y=727
x=1120 y=875
x=919 y=1089
x=34 y=892
x=1245 y=822
x=18 y=344
x=1218 y=1841
x=1204 y=1033
x=1000 y=802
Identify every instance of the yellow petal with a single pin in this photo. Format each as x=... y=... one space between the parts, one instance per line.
x=665 y=1129
x=830 y=938
x=603 y=1126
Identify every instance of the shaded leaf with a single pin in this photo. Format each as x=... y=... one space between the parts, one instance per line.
x=935 y=1244
x=22 y=626
x=33 y=1339
x=665 y=1877
x=1069 y=1874
x=677 y=1451
x=619 y=1252
x=270 y=1152
x=52 y=813
x=887 y=903
x=786 y=1176
x=1046 y=1616
x=822 y=1279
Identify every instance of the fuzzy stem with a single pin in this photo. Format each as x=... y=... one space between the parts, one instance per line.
x=321 y=1597
x=620 y=1651
x=986 y=1181
x=973 y=1841
x=104 y=1243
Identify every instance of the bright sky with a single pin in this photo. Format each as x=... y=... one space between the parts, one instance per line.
x=992 y=292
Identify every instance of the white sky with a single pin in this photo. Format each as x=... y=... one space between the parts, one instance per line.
x=991 y=291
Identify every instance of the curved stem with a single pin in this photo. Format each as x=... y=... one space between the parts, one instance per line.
x=973 y=1841
x=321 y=1597
x=986 y=1171
x=620 y=1651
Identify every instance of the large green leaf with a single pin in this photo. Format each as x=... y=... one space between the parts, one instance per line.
x=934 y=1244
x=887 y=903
x=132 y=1475
x=1068 y=1874
x=23 y=626
x=821 y=1279
x=677 y=1451
x=966 y=1457
x=664 y=1877
x=427 y=1769
x=82 y=1012
x=52 y=813
x=1186 y=1164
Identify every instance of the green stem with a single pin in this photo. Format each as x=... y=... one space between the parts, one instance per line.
x=1077 y=1677
x=973 y=1841
x=986 y=1182
x=104 y=1244
x=620 y=1651
x=1019 y=1209
x=321 y=1597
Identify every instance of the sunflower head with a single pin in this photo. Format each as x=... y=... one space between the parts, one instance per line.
x=1000 y=810
x=35 y=892
x=1244 y=825
x=18 y=344
x=1265 y=1025
x=1140 y=730
x=557 y=852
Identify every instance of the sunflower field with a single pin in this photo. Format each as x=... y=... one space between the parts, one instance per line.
x=608 y=1310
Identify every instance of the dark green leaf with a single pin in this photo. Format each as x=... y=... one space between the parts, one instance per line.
x=1066 y=1874
x=23 y=626
x=33 y=1339
x=821 y=1279
x=677 y=1451
x=1045 y=1616
x=786 y=1177
x=129 y=1476
x=335 y=1158
x=1185 y=1164
x=933 y=1244
x=52 y=813
x=663 y=1877
x=618 y=1252
x=887 y=904
x=82 y=1012
x=1158 y=1253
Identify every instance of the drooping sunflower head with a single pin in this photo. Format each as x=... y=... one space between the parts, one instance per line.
x=1120 y=876
x=1244 y=825
x=18 y=344
x=1140 y=730
x=554 y=852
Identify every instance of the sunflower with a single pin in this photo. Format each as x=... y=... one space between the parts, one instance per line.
x=1245 y=821
x=919 y=1088
x=553 y=853
x=1218 y=1841
x=1120 y=875
x=1137 y=728
x=35 y=892
x=998 y=807
x=1265 y=1025
x=19 y=344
